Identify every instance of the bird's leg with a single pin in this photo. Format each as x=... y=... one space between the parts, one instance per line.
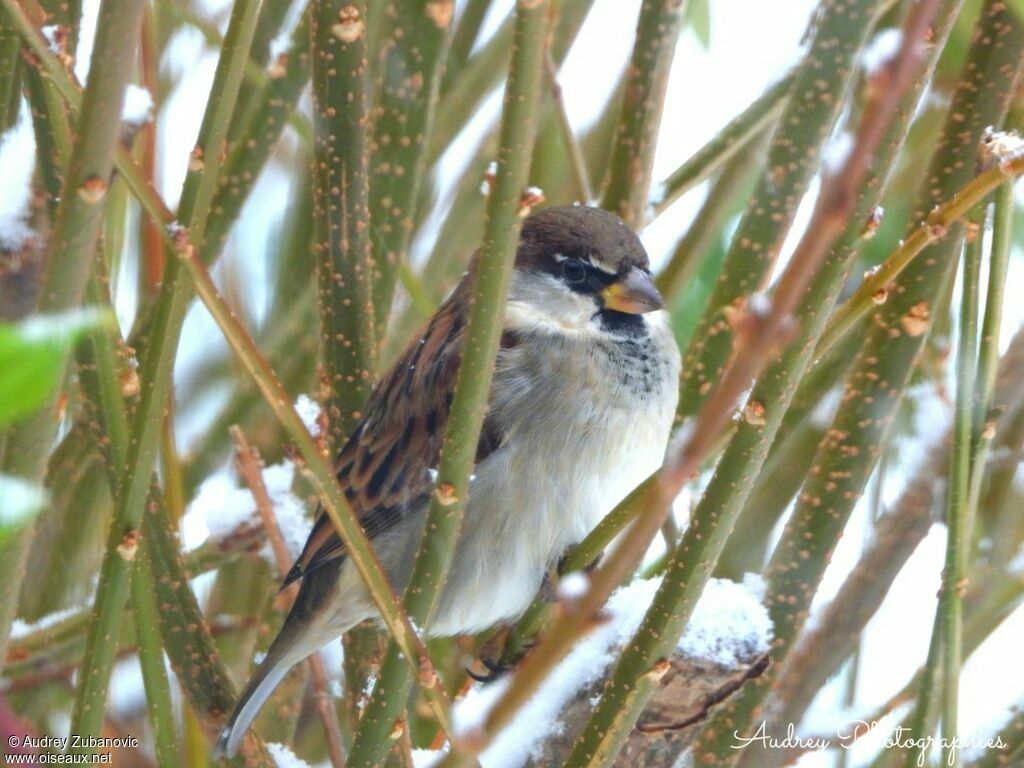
x=586 y=569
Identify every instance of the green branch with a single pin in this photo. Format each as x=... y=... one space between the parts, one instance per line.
x=412 y=63
x=341 y=209
x=628 y=180
x=155 y=375
x=69 y=254
x=958 y=512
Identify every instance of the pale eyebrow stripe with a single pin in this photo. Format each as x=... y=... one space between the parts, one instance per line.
x=560 y=257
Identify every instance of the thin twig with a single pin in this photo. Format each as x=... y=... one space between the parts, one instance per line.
x=876 y=285
x=737 y=134
x=250 y=469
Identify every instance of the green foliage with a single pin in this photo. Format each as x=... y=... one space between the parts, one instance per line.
x=32 y=356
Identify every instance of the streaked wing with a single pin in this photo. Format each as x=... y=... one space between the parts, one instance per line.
x=384 y=468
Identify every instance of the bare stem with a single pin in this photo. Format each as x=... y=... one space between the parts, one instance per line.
x=341 y=208
x=627 y=185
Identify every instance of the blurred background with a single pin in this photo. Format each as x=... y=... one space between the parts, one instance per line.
x=729 y=54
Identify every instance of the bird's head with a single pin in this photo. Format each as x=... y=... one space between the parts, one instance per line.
x=580 y=268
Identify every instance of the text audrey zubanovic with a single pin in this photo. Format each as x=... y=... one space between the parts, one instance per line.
x=53 y=750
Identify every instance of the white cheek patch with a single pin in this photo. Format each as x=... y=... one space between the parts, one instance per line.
x=539 y=301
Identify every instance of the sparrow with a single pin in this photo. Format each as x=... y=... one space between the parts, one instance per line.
x=579 y=413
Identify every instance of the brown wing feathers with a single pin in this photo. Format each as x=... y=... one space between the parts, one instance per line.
x=384 y=466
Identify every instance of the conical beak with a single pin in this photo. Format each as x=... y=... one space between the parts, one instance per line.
x=633 y=293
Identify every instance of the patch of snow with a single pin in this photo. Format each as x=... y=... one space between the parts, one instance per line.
x=284 y=757
x=138 y=106
x=289 y=510
x=760 y=304
x=823 y=413
x=427 y=758
x=729 y=625
x=17 y=163
x=836 y=151
x=21 y=628
x=221 y=507
x=309 y=411
x=573 y=586
x=882 y=48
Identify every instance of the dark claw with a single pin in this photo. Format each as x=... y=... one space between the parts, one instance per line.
x=495 y=670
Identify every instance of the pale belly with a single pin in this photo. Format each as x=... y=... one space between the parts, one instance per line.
x=524 y=516
x=543 y=492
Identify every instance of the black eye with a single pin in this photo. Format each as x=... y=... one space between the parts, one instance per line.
x=574 y=271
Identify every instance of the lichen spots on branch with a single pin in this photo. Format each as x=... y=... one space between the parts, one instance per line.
x=441 y=12
x=754 y=413
x=533 y=196
x=93 y=190
x=129 y=545
x=350 y=25
x=915 y=321
x=195 y=159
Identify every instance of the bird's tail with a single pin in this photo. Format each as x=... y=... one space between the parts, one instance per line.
x=285 y=652
x=316 y=618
